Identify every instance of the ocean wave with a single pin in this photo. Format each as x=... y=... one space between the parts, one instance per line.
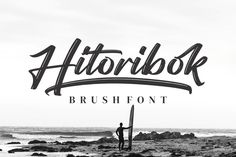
x=7 y=136
x=68 y=137
x=89 y=133
x=94 y=133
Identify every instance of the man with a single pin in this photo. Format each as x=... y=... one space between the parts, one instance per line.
x=120 y=134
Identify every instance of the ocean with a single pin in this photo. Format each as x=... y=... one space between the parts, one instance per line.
x=61 y=134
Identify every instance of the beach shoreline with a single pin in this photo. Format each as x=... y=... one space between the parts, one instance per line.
x=59 y=142
x=108 y=147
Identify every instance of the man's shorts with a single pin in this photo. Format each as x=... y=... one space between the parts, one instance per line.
x=121 y=139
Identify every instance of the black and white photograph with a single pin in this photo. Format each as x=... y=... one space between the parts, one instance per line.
x=117 y=78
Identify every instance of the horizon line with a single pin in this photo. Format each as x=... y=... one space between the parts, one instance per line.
x=116 y=127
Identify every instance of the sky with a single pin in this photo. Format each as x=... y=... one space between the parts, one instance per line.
x=27 y=27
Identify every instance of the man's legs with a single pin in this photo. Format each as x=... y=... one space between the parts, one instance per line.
x=119 y=144
x=122 y=143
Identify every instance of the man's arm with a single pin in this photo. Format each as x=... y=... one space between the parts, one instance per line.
x=128 y=127
x=117 y=132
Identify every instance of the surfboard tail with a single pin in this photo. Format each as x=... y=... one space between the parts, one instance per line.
x=130 y=134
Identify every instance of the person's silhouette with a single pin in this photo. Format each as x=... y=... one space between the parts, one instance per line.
x=120 y=134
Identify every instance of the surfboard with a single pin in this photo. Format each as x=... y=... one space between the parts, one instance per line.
x=130 y=133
